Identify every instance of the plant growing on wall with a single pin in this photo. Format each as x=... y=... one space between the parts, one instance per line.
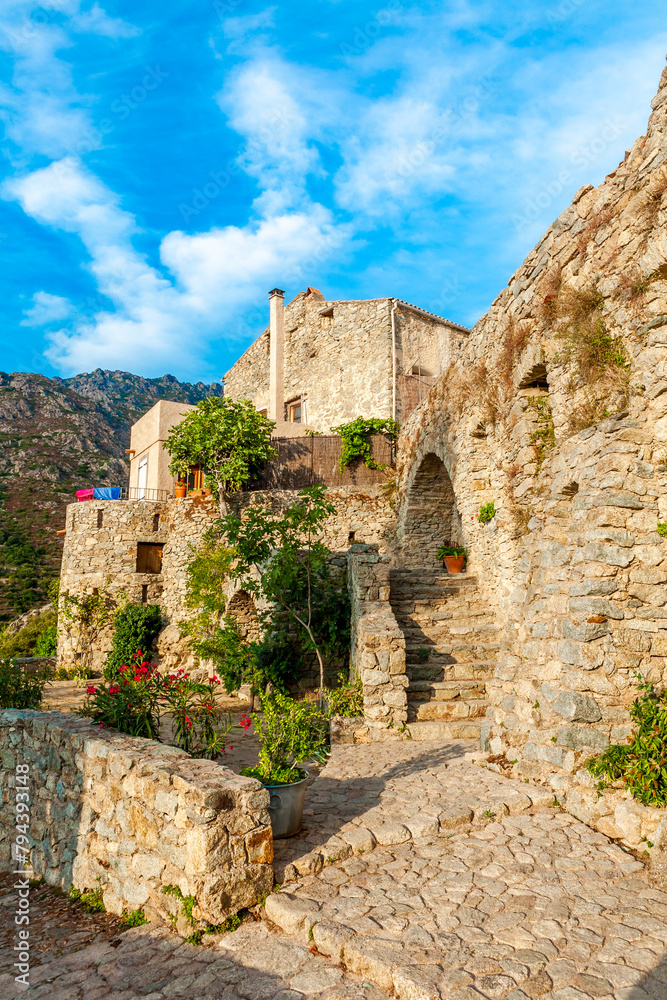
x=543 y=438
x=85 y=617
x=280 y=556
x=136 y=627
x=227 y=438
x=356 y=439
x=487 y=512
x=641 y=764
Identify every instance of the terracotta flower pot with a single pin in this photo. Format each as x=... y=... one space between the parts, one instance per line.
x=180 y=491
x=196 y=493
x=454 y=564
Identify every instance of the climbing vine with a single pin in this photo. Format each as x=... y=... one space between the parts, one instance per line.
x=356 y=443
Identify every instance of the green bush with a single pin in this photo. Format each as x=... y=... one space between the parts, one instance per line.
x=486 y=512
x=347 y=699
x=47 y=641
x=18 y=688
x=26 y=640
x=356 y=439
x=290 y=733
x=641 y=764
x=136 y=627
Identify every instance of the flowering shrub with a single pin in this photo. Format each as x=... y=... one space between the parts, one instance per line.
x=137 y=701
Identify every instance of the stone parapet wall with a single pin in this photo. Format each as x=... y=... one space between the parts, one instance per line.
x=378 y=645
x=132 y=816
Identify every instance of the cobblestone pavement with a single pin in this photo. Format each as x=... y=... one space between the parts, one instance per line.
x=457 y=888
x=380 y=794
x=151 y=963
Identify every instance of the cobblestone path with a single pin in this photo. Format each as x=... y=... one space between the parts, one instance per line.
x=420 y=875
x=458 y=887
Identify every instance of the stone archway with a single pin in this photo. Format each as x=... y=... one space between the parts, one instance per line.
x=242 y=608
x=430 y=517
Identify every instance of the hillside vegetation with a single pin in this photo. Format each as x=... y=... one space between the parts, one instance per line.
x=58 y=436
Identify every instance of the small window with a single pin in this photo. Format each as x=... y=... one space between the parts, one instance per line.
x=351 y=536
x=149 y=557
x=295 y=413
x=144 y=593
x=156 y=522
x=100 y=518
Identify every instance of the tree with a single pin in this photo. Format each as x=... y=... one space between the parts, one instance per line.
x=281 y=557
x=227 y=438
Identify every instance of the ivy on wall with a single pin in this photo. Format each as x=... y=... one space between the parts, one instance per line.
x=356 y=439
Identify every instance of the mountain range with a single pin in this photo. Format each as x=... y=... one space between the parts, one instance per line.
x=57 y=436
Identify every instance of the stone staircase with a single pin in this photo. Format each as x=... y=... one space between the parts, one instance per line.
x=451 y=644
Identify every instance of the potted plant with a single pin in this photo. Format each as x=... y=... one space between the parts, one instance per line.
x=181 y=488
x=453 y=557
x=290 y=733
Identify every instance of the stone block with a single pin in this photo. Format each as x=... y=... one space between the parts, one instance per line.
x=390 y=834
x=582 y=738
x=595 y=606
x=329 y=937
x=627 y=500
x=455 y=817
x=289 y=912
x=611 y=555
x=576 y=707
x=147 y=865
x=360 y=840
x=374 y=678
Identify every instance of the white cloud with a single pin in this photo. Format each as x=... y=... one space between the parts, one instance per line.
x=242 y=27
x=47 y=309
x=160 y=320
x=97 y=22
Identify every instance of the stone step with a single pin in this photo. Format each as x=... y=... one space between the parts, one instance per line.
x=413 y=633
x=446 y=690
x=466 y=730
x=444 y=711
x=430 y=672
x=445 y=651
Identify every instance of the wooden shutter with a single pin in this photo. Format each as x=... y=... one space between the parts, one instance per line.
x=149 y=557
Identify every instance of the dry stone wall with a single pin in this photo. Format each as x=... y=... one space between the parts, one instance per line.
x=132 y=816
x=556 y=412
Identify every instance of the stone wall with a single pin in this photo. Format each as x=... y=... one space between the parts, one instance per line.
x=378 y=645
x=132 y=816
x=341 y=362
x=106 y=556
x=571 y=450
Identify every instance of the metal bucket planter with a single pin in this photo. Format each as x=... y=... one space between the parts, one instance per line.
x=286 y=807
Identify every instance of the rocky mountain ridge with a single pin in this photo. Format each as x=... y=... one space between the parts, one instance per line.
x=57 y=436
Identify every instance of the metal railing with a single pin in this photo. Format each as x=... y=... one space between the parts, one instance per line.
x=143 y=493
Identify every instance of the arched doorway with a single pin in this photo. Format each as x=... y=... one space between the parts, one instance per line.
x=430 y=517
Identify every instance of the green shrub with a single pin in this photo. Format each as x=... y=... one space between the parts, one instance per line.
x=347 y=699
x=47 y=642
x=662 y=528
x=355 y=439
x=136 y=627
x=18 y=688
x=290 y=733
x=90 y=899
x=452 y=550
x=641 y=764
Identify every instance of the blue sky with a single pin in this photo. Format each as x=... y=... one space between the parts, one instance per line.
x=165 y=164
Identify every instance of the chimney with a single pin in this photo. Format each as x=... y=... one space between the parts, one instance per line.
x=277 y=355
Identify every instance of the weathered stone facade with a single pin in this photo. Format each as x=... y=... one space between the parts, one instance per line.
x=572 y=563
x=132 y=816
x=101 y=548
x=338 y=358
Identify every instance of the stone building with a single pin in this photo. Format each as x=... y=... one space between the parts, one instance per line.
x=321 y=363
x=543 y=449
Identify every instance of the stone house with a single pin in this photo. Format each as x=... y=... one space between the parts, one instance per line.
x=321 y=363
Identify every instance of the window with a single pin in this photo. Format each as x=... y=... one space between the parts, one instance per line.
x=156 y=522
x=142 y=478
x=149 y=557
x=195 y=478
x=100 y=518
x=295 y=413
x=144 y=593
